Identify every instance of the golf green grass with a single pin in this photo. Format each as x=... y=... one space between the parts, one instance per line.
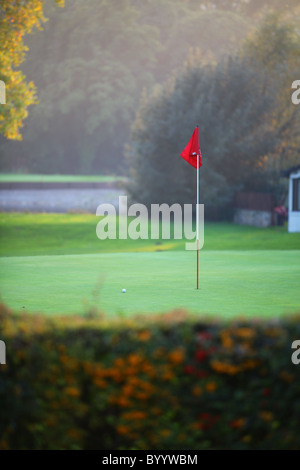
x=54 y=263
x=35 y=178
x=24 y=234
x=253 y=283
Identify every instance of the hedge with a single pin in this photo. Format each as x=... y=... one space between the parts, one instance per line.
x=169 y=382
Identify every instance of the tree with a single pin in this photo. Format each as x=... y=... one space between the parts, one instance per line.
x=249 y=129
x=90 y=65
x=234 y=137
x=17 y=18
x=275 y=48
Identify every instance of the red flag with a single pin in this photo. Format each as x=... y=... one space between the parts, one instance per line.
x=192 y=150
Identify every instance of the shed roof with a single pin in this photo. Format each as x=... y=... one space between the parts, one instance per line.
x=293 y=169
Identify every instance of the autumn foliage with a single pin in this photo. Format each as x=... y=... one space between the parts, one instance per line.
x=170 y=382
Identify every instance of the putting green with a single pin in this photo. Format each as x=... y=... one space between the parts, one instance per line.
x=249 y=283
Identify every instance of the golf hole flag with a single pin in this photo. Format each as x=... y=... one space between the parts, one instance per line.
x=192 y=154
x=192 y=150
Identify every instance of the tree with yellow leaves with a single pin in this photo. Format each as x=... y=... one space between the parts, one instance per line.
x=17 y=18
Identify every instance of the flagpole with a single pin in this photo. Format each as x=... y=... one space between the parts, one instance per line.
x=197 y=221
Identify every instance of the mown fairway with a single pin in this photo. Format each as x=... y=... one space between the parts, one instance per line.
x=56 y=264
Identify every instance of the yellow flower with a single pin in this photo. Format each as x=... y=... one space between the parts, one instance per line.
x=226 y=340
x=247 y=438
x=245 y=333
x=224 y=368
x=4 y=445
x=211 y=386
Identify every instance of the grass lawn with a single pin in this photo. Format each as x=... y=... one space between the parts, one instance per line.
x=54 y=263
x=32 y=178
x=250 y=283
x=60 y=234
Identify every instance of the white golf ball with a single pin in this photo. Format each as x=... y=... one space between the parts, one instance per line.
x=123 y=290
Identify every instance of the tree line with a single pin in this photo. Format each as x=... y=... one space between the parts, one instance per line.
x=89 y=66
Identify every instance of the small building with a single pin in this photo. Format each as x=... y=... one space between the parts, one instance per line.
x=253 y=209
x=294 y=197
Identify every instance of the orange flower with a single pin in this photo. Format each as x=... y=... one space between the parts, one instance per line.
x=197 y=391
x=226 y=340
x=21 y=355
x=100 y=383
x=143 y=396
x=132 y=415
x=286 y=376
x=266 y=415
x=72 y=392
x=127 y=390
x=156 y=411
x=245 y=333
x=98 y=371
x=158 y=353
x=165 y=433
x=168 y=375
x=51 y=421
x=144 y=335
x=88 y=367
x=122 y=429
x=122 y=401
x=211 y=386
x=134 y=359
x=74 y=434
x=119 y=362
x=238 y=423
x=176 y=356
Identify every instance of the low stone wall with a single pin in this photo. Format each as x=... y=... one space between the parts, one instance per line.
x=59 y=200
x=255 y=218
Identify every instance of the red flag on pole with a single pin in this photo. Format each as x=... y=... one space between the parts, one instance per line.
x=192 y=154
x=192 y=150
